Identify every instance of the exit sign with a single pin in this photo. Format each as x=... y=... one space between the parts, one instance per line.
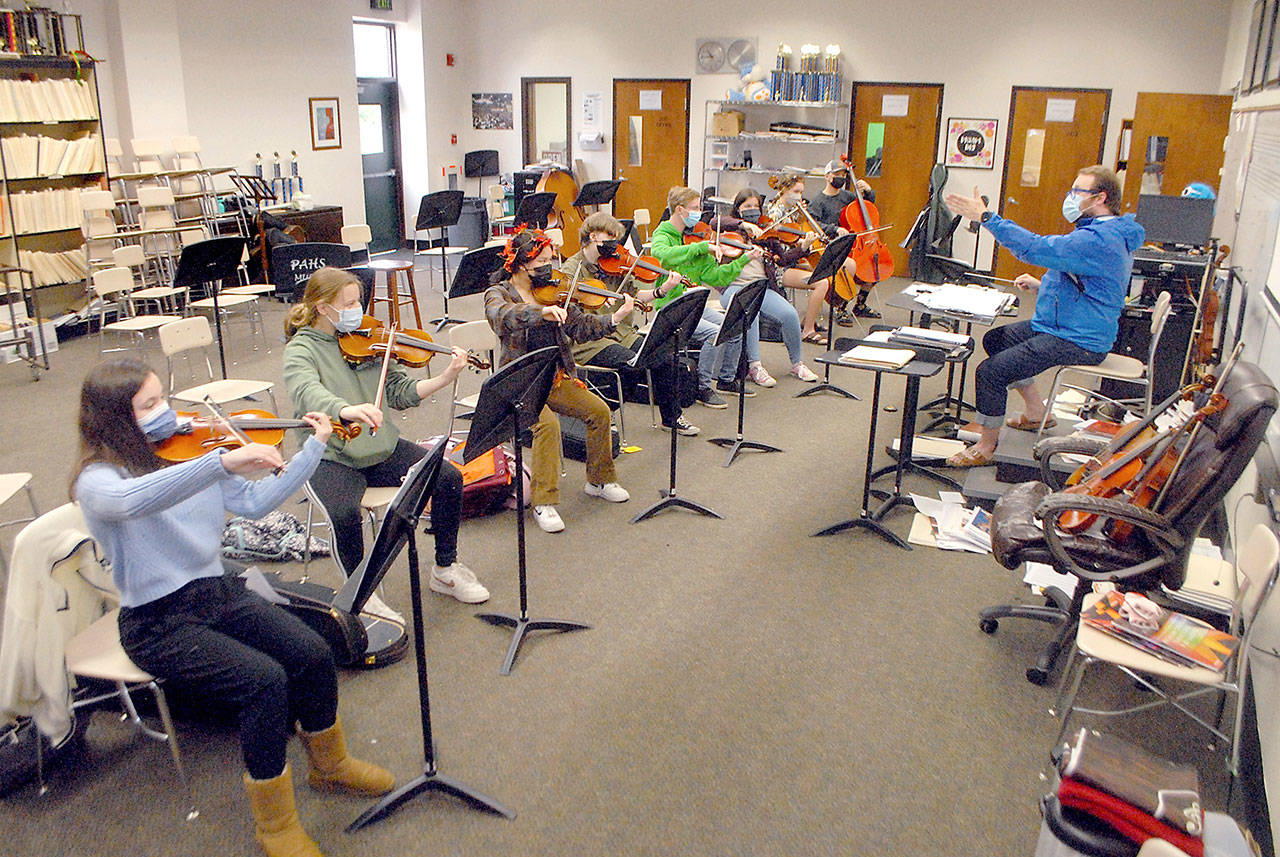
x=380 y=5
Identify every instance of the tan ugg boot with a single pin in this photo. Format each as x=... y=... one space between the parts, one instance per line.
x=276 y=818
x=333 y=770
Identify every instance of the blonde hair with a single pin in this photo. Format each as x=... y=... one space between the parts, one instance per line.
x=599 y=221
x=681 y=196
x=323 y=287
x=782 y=182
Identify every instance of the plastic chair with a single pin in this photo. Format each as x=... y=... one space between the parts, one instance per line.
x=189 y=334
x=111 y=286
x=167 y=298
x=98 y=208
x=476 y=336
x=1258 y=560
x=1117 y=367
x=641 y=219
x=11 y=484
x=371 y=503
x=157 y=217
x=357 y=236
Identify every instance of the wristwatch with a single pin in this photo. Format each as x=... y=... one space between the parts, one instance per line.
x=986 y=215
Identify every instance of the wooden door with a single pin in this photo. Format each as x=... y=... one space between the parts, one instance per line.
x=1176 y=139
x=907 y=138
x=1052 y=134
x=650 y=143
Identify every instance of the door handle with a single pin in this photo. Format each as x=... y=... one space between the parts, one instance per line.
x=385 y=174
x=1011 y=200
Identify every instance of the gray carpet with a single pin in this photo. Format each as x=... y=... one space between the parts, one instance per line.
x=745 y=689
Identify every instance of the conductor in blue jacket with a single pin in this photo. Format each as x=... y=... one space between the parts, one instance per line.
x=1077 y=309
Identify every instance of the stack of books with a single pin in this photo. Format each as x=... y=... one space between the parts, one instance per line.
x=876 y=357
x=1178 y=639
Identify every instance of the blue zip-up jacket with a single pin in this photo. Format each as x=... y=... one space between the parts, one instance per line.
x=1097 y=254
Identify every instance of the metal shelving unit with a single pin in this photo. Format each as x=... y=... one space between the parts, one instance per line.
x=724 y=157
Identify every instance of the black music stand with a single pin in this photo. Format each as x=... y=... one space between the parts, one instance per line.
x=535 y=208
x=211 y=261
x=832 y=258
x=395 y=533
x=510 y=401
x=473 y=272
x=478 y=164
x=741 y=313
x=672 y=329
x=440 y=210
x=598 y=193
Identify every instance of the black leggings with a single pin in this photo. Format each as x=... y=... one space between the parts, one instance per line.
x=340 y=488
x=665 y=395
x=217 y=640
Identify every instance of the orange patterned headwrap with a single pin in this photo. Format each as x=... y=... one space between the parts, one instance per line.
x=527 y=242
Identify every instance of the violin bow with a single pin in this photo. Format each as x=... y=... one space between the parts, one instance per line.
x=382 y=378
x=222 y=417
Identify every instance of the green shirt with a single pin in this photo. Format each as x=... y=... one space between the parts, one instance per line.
x=695 y=262
x=320 y=379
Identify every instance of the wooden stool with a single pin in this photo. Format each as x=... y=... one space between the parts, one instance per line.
x=392 y=269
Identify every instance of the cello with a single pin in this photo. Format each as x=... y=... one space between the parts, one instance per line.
x=870 y=254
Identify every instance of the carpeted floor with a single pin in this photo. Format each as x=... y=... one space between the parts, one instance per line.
x=745 y=689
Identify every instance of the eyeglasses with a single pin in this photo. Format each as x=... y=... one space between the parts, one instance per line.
x=1083 y=191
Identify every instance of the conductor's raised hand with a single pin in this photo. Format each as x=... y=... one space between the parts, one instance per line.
x=362 y=413
x=322 y=425
x=252 y=458
x=555 y=313
x=968 y=207
x=1026 y=282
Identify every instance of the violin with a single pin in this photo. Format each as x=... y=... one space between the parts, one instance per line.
x=842 y=288
x=413 y=348
x=733 y=243
x=870 y=254
x=589 y=293
x=644 y=268
x=196 y=435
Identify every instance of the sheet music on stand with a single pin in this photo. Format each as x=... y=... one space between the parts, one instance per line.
x=977 y=303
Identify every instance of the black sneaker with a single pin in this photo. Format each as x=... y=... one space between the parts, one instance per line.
x=683 y=428
x=711 y=399
x=845 y=318
x=864 y=311
x=733 y=388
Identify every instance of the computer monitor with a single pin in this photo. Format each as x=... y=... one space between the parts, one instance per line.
x=1176 y=219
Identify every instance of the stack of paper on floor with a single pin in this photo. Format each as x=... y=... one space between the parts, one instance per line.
x=951 y=525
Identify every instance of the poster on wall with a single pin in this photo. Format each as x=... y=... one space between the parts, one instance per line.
x=326 y=127
x=491 y=111
x=971 y=143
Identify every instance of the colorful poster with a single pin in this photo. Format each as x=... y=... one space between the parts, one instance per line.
x=971 y=143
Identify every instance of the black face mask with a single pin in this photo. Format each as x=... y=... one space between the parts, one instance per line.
x=541 y=275
x=838 y=182
x=608 y=249
x=751 y=215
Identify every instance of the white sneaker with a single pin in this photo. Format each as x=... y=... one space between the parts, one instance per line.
x=548 y=519
x=375 y=607
x=802 y=372
x=460 y=582
x=611 y=491
x=757 y=374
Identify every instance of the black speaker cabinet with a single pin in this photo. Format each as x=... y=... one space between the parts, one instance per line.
x=1134 y=340
x=525 y=182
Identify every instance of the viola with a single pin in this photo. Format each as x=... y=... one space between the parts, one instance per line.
x=196 y=435
x=644 y=268
x=588 y=294
x=1109 y=479
x=413 y=348
x=871 y=255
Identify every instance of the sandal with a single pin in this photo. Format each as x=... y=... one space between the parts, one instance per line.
x=969 y=458
x=814 y=338
x=1021 y=423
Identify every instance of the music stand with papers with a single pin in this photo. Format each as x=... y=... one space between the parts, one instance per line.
x=832 y=258
x=396 y=532
x=671 y=330
x=440 y=210
x=211 y=261
x=741 y=313
x=510 y=401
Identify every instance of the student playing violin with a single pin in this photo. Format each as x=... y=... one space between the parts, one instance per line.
x=789 y=193
x=599 y=235
x=183 y=620
x=320 y=378
x=522 y=324
x=702 y=263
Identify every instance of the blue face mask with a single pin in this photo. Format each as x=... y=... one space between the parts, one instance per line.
x=160 y=424
x=349 y=319
x=691 y=220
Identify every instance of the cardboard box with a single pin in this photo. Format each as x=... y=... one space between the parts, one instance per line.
x=727 y=123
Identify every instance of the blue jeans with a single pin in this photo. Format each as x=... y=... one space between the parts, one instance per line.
x=777 y=309
x=709 y=356
x=1016 y=354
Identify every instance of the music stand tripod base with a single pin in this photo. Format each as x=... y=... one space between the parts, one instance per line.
x=866 y=522
x=832 y=258
x=742 y=311
x=523 y=625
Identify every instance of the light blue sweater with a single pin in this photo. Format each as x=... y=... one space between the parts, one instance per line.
x=163 y=530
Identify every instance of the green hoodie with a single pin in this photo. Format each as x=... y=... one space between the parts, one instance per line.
x=320 y=379
x=694 y=262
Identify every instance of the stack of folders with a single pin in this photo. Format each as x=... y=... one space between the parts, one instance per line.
x=49 y=99
x=45 y=210
x=945 y=340
x=32 y=156
x=48 y=269
x=876 y=357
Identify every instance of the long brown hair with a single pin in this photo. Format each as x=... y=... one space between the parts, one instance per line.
x=109 y=431
x=323 y=287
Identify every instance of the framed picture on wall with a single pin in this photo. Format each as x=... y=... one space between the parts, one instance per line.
x=971 y=143
x=326 y=126
x=1247 y=74
x=1265 y=29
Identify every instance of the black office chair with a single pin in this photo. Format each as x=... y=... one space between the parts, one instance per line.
x=1022 y=525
